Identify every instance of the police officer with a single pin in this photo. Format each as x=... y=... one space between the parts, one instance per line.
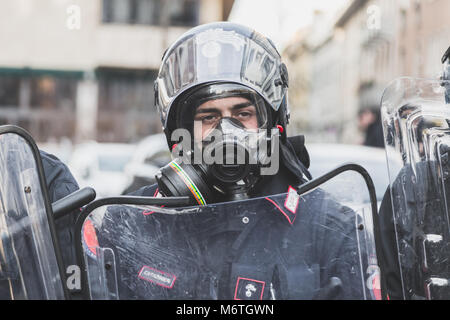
x=414 y=206
x=222 y=87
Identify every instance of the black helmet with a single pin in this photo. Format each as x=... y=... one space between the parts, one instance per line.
x=221 y=59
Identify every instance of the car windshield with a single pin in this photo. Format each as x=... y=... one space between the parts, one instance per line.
x=115 y=163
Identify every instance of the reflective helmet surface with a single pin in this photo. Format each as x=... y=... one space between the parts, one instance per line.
x=214 y=53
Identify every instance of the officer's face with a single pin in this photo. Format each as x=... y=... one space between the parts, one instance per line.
x=208 y=115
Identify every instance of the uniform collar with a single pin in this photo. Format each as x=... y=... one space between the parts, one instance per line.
x=284 y=206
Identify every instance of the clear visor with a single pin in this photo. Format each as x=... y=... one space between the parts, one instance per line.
x=223 y=114
x=218 y=55
x=223 y=107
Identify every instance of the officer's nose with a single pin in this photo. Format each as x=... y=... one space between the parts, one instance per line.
x=229 y=125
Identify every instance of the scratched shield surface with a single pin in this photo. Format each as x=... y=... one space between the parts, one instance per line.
x=317 y=245
x=28 y=264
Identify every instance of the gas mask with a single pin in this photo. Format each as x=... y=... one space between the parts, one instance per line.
x=227 y=148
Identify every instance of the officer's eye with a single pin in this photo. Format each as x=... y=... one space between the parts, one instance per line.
x=207 y=118
x=245 y=114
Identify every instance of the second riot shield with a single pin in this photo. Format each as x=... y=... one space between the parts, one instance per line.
x=416 y=120
x=312 y=242
x=30 y=267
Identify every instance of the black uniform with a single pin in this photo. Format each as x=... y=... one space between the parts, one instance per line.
x=61 y=183
x=419 y=211
x=253 y=249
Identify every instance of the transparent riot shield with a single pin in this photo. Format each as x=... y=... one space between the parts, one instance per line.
x=417 y=135
x=29 y=267
x=316 y=242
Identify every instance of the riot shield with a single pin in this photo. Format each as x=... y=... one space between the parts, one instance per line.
x=417 y=135
x=314 y=242
x=30 y=266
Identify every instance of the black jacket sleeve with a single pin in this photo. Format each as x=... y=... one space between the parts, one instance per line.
x=389 y=252
x=60 y=183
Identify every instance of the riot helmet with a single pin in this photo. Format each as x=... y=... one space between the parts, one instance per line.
x=221 y=52
x=220 y=77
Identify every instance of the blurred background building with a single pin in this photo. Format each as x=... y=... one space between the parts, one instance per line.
x=84 y=69
x=346 y=58
x=74 y=71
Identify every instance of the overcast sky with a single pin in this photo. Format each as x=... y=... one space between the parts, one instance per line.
x=280 y=19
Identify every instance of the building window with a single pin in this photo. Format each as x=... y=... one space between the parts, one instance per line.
x=45 y=98
x=146 y=12
x=9 y=91
x=126 y=104
x=121 y=89
x=151 y=12
x=183 y=12
x=49 y=92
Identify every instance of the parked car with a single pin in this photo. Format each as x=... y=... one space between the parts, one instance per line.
x=101 y=166
x=149 y=156
x=326 y=157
